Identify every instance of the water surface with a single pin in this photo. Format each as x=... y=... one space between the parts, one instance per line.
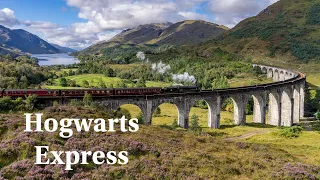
x=55 y=59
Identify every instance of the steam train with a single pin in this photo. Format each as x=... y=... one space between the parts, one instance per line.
x=96 y=92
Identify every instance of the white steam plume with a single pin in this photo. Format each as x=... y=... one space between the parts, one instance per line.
x=185 y=77
x=161 y=67
x=140 y=55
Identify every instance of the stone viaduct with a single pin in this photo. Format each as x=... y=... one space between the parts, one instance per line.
x=284 y=97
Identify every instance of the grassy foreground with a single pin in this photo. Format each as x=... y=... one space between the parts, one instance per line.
x=155 y=152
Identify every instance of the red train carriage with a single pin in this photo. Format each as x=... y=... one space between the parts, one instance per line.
x=82 y=92
x=27 y=92
x=137 y=91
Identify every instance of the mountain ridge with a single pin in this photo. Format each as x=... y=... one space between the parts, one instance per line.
x=181 y=33
x=19 y=41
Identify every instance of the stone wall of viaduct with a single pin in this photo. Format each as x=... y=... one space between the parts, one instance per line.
x=285 y=99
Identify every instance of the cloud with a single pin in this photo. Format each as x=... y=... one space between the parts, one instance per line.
x=40 y=24
x=106 y=18
x=231 y=12
x=114 y=14
x=7 y=17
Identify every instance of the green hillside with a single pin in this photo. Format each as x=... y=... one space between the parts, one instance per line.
x=287 y=29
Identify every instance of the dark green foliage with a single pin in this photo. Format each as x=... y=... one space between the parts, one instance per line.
x=174 y=124
x=30 y=102
x=85 y=83
x=140 y=118
x=63 y=82
x=220 y=83
x=249 y=107
x=290 y=132
x=157 y=112
x=21 y=72
x=195 y=127
x=123 y=112
x=305 y=51
x=313 y=16
x=318 y=115
x=202 y=104
x=87 y=99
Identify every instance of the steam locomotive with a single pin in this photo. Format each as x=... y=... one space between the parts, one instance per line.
x=97 y=92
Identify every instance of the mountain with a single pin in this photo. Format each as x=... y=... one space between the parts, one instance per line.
x=287 y=30
x=64 y=49
x=181 y=33
x=188 y=32
x=21 y=41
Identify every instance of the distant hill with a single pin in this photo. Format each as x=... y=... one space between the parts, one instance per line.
x=286 y=30
x=64 y=49
x=188 y=32
x=21 y=41
x=181 y=33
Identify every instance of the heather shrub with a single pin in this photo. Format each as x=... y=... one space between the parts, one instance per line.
x=298 y=171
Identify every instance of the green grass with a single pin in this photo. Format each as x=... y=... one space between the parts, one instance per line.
x=169 y=113
x=94 y=80
x=247 y=80
x=306 y=147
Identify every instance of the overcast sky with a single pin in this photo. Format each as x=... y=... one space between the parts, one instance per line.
x=80 y=23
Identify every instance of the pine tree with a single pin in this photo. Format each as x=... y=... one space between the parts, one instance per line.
x=195 y=124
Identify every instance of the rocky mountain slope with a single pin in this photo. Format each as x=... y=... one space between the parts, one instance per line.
x=20 y=41
x=182 y=33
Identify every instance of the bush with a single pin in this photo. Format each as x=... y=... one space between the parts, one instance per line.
x=75 y=102
x=157 y=112
x=122 y=112
x=195 y=127
x=290 y=132
x=140 y=118
x=87 y=99
x=318 y=115
x=174 y=124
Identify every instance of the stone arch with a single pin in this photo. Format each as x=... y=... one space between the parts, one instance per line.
x=174 y=116
x=239 y=108
x=259 y=108
x=296 y=105
x=270 y=73
x=274 y=109
x=281 y=76
x=287 y=75
x=135 y=108
x=140 y=105
x=182 y=107
x=264 y=70
x=276 y=75
x=286 y=108
x=214 y=106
